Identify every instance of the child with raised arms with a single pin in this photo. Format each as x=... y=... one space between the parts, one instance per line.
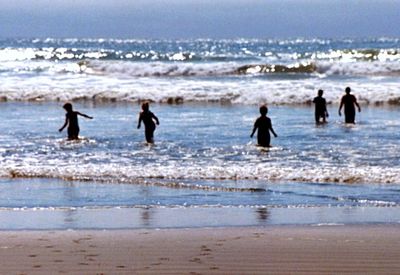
x=71 y=119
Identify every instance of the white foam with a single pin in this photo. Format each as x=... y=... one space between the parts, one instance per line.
x=354 y=68
x=238 y=91
x=117 y=172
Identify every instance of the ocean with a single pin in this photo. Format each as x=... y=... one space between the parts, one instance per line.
x=204 y=169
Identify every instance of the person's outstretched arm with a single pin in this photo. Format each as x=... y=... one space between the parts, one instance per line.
x=139 y=121
x=156 y=119
x=358 y=106
x=254 y=130
x=326 y=109
x=340 y=107
x=65 y=124
x=90 y=117
x=273 y=132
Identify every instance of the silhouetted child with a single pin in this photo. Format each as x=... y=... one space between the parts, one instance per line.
x=264 y=125
x=71 y=119
x=320 y=108
x=349 y=101
x=148 y=120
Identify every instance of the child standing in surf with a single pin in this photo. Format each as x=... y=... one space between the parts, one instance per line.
x=264 y=126
x=71 y=119
x=148 y=119
x=320 y=108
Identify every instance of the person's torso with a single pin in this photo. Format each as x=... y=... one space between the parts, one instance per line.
x=73 y=119
x=264 y=124
x=348 y=101
x=147 y=118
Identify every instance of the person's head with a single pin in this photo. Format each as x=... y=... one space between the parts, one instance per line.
x=145 y=106
x=320 y=92
x=348 y=90
x=68 y=107
x=263 y=110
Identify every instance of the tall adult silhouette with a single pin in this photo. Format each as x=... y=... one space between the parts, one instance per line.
x=349 y=102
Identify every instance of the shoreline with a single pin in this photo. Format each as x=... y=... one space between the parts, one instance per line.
x=145 y=217
x=355 y=249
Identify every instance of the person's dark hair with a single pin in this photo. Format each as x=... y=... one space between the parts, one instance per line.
x=320 y=92
x=145 y=106
x=347 y=90
x=263 y=110
x=68 y=107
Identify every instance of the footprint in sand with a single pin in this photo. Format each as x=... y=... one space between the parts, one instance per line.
x=32 y=256
x=81 y=239
x=258 y=235
x=220 y=242
x=205 y=248
x=43 y=240
x=91 y=257
x=196 y=260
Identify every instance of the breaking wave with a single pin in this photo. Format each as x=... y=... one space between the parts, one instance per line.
x=123 y=69
x=170 y=176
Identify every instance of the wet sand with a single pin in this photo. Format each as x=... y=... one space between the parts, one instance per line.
x=362 y=249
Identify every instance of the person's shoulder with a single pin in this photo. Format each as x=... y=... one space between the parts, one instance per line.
x=258 y=119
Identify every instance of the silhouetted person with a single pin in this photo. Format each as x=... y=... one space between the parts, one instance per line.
x=320 y=108
x=264 y=125
x=148 y=119
x=349 y=101
x=71 y=119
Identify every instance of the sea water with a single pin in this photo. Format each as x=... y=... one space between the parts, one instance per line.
x=204 y=169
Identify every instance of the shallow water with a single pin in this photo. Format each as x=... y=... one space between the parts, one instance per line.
x=203 y=162
x=195 y=143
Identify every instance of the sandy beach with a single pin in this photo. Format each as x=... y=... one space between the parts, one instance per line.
x=358 y=249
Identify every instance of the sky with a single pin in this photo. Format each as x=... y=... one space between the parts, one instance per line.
x=183 y=19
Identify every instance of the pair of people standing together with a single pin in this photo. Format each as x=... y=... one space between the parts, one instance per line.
x=264 y=126
x=349 y=102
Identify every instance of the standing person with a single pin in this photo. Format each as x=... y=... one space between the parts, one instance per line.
x=264 y=125
x=320 y=108
x=71 y=119
x=148 y=120
x=349 y=101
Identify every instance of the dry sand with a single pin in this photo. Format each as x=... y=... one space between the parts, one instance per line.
x=357 y=249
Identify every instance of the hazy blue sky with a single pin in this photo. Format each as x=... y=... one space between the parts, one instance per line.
x=199 y=18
